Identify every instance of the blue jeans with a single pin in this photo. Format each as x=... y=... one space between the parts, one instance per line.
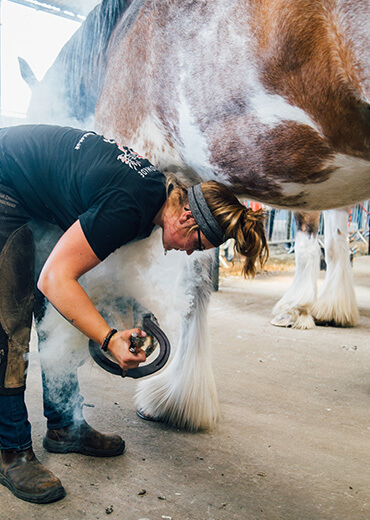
x=15 y=429
x=62 y=399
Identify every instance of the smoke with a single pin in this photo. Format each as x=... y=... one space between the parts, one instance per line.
x=136 y=276
x=135 y=279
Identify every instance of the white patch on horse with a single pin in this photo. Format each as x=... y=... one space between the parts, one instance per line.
x=340 y=189
x=271 y=110
x=195 y=149
x=159 y=151
x=291 y=189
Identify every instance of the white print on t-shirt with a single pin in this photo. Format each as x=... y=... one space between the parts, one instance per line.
x=144 y=171
x=128 y=156
x=110 y=141
x=78 y=145
x=7 y=201
x=131 y=158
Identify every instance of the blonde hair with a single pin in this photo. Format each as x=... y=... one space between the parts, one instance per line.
x=177 y=192
x=242 y=224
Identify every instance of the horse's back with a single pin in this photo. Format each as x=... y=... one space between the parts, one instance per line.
x=270 y=97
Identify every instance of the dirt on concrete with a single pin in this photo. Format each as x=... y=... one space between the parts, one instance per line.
x=293 y=442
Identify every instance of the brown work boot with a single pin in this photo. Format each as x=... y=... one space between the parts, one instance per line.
x=27 y=478
x=81 y=438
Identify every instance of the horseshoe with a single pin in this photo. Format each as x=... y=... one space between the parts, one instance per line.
x=152 y=328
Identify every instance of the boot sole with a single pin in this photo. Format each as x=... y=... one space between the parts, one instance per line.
x=70 y=447
x=44 y=498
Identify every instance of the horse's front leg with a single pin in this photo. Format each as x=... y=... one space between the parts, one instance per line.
x=294 y=308
x=184 y=393
x=336 y=302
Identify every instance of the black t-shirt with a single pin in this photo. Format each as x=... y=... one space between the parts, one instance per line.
x=62 y=174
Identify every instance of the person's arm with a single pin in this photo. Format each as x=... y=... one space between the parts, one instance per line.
x=70 y=259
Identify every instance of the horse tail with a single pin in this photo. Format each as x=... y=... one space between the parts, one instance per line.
x=81 y=62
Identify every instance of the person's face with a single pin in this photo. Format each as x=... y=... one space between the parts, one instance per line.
x=176 y=234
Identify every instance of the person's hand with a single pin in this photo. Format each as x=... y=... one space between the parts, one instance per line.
x=119 y=348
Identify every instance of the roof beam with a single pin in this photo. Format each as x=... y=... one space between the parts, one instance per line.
x=39 y=5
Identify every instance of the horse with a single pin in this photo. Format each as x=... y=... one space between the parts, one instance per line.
x=270 y=97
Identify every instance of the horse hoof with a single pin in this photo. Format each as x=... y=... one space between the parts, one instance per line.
x=283 y=320
x=140 y=413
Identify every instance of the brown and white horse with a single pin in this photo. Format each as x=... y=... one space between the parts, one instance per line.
x=269 y=96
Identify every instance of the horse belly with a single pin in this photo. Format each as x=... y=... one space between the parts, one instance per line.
x=347 y=184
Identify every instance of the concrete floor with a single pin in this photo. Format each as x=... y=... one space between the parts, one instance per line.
x=293 y=442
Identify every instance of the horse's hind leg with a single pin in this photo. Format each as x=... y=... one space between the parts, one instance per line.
x=336 y=303
x=294 y=308
x=184 y=393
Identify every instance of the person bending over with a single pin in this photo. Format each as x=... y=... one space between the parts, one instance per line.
x=102 y=196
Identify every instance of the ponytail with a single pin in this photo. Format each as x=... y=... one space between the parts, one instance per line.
x=235 y=220
x=243 y=224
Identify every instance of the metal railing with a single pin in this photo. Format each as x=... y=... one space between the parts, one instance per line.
x=281 y=228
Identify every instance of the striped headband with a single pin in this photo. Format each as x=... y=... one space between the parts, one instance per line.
x=203 y=216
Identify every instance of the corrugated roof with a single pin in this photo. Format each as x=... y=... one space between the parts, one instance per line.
x=75 y=9
x=82 y=7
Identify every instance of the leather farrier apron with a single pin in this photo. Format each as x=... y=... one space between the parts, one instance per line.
x=17 y=266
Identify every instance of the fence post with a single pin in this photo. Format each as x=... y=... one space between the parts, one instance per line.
x=216 y=269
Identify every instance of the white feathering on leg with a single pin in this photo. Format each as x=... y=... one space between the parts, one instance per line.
x=297 y=302
x=336 y=300
x=184 y=394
